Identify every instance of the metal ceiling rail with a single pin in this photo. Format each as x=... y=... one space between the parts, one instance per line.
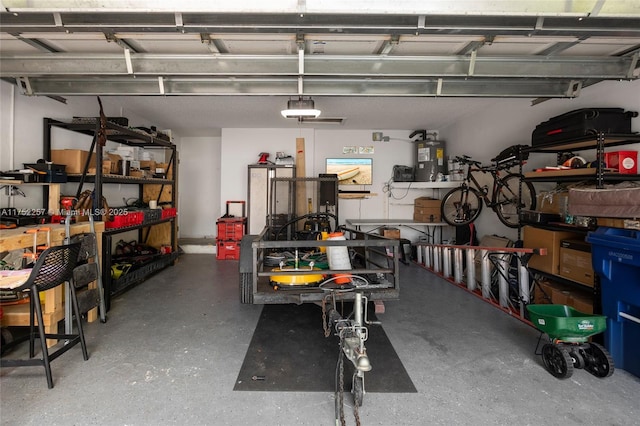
x=578 y=25
x=302 y=7
x=374 y=67
x=426 y=87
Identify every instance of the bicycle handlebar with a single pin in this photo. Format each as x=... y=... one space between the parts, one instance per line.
x=465 y=159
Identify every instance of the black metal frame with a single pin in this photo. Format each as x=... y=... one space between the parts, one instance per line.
x=126 y=136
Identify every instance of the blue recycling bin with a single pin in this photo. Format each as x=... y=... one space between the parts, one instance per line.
x=616 y=259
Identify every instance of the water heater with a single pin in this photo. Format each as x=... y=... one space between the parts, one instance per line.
x=430 y=157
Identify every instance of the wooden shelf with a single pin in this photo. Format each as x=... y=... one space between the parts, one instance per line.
x=426 y=185
x=586 y=142
x=354 y=196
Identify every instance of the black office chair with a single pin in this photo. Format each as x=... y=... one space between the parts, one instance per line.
x=54 y=266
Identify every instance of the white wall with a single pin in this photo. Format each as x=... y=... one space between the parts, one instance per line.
x=399 y=150
x=214 y=170
x=21 y=138
x=511 y=121
x=199 y=186
x=241 y=147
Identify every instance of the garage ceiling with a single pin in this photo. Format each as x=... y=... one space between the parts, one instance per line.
x=532 y=49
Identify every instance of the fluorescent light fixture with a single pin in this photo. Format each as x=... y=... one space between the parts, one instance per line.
x=300 y=108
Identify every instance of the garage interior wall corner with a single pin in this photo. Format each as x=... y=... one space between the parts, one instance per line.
x=485 y=133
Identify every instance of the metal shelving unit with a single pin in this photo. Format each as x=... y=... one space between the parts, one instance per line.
x=597 y=175
x=131 y=137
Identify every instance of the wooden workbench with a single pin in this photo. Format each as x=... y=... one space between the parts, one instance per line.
x=53 y=308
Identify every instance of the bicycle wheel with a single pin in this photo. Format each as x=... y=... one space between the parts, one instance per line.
x=461 y=206
x=509 y=200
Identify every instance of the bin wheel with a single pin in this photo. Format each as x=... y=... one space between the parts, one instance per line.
x=357 y=389
x=557 y=361
x=599 y=362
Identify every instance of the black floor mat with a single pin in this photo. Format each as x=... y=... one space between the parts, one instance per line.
x=288 y=352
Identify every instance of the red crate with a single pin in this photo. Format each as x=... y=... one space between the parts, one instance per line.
x=118 y=221
x=231 y=229
x=136 y=218
x=228 y=250
x=169 y=212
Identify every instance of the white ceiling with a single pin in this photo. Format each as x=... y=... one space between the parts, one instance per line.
x=193 y=114
x=375 y=63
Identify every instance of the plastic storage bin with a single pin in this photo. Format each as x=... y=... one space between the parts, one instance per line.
x=616 y=259
x=228 y=250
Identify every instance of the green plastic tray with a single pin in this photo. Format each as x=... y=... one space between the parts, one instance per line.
x=565 y=323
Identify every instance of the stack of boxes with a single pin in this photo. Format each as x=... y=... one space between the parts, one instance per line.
x=123 y=161
x=426 y=210
x=230 y=231
x=568 y=256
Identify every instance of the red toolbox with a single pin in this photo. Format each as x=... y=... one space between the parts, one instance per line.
x=228 y=250
x=622 y=161
x=231 y=229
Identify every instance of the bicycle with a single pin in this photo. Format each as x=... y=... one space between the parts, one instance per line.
x=509 y=194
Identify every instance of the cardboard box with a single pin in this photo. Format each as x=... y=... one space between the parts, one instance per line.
x=116 y=164
x=612 y=222
x=427 y=202
x=560 y=296
x=555 y=202
x=575 y=262
x=542 y=292
x=148 y=165
x=74 y=159
x=426 y=210
x=432 y=217
x=390 y=233
x=541 y=238
x=582 y=301
x=164 y=169
x=106 y=168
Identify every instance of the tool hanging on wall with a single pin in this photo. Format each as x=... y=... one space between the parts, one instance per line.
x=264 y=158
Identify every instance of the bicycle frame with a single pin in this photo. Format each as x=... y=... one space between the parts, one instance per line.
x=497 y=184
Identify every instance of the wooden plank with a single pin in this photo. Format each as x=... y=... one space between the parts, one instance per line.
x=54 y=198
x=356 y=196
x=302 y=205
x=160 y=235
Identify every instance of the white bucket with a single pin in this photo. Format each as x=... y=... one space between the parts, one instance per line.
x=338 y=256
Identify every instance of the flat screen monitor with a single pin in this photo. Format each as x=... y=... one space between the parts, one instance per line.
x=351 y=171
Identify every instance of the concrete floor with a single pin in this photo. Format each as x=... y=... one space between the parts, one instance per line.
x=172 y=347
